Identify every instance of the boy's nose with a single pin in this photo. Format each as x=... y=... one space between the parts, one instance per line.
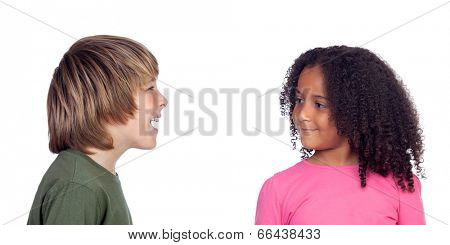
x=163 y=102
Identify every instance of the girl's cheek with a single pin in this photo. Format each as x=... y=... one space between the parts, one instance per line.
x=296 y=113
x=294 y=117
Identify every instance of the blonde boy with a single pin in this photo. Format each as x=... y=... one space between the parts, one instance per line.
x=102 y=101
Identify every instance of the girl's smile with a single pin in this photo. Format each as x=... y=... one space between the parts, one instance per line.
x=307 y=132
x=312 y=114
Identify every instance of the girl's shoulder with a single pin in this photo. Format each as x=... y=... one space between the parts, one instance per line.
x=289 y=175
x=389 y=179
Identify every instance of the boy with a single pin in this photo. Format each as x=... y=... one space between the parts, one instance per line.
x=102 y=101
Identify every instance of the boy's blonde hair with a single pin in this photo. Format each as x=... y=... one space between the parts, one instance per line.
x=95 y=84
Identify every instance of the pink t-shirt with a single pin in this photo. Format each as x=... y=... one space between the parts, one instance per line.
x=311 y=194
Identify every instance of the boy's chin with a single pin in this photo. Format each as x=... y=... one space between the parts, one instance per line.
x=146 y=145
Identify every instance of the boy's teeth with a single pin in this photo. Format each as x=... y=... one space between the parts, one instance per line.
x=154 y=122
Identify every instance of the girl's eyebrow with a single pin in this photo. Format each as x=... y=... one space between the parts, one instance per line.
x=320 y=97
x=314 y=95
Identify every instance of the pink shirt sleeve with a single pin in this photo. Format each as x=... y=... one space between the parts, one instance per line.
x=268 y=206
x=410 y=206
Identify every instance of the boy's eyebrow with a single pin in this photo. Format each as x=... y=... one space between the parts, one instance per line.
x=314 y=95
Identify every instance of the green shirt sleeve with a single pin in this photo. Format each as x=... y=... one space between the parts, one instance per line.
x=71 y=204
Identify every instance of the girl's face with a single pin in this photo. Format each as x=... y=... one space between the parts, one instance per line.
x=311 y=112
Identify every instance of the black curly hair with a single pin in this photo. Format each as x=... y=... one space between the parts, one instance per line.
x=370 y=106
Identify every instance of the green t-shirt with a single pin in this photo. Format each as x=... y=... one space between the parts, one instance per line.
x=77 y=190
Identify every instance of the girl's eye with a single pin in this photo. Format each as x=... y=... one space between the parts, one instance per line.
x=301 y=101
x=320 y=106
x=298 y=101
x=151 y=88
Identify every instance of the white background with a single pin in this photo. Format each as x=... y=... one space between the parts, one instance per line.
x=207 y=180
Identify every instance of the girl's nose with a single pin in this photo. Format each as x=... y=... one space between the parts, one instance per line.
x=305 y=113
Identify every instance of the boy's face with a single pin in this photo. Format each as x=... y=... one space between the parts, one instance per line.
x=141 y=131
x=311 y=112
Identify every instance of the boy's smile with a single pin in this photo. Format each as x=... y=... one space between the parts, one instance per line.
x=154 y=123
x=142 y=130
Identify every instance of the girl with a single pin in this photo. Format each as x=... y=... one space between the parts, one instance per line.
x=360 y=141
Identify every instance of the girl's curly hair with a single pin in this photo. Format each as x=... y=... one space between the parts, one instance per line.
x=369 y=105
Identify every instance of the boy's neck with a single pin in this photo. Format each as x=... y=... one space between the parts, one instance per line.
x=107 y=158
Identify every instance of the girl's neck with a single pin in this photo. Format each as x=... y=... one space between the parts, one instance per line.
x=335 y=157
